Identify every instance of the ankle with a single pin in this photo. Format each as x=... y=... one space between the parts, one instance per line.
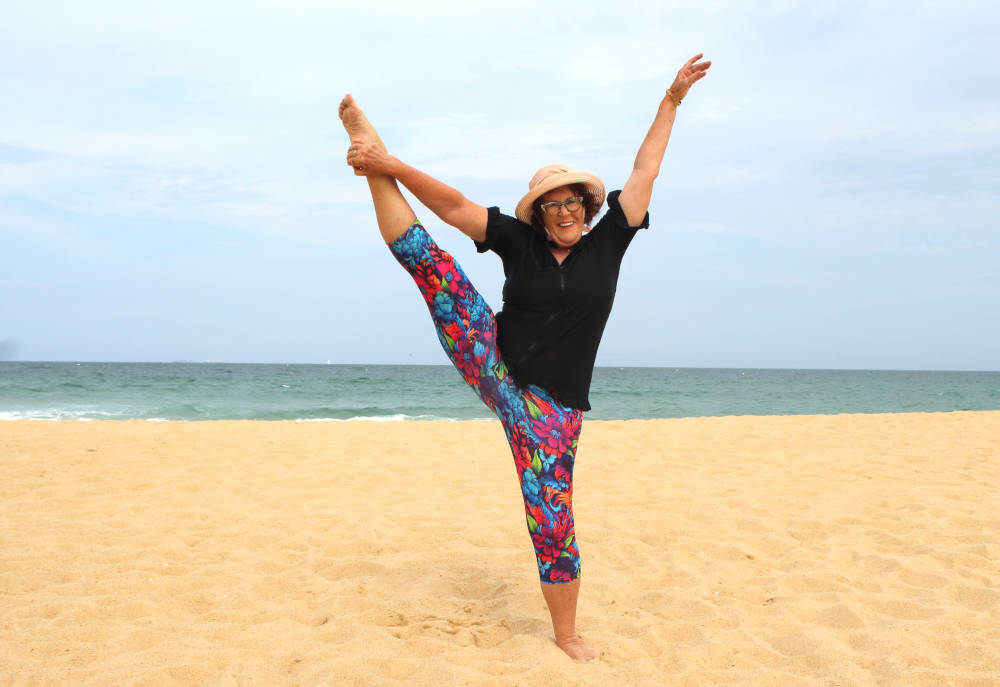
x=575 y=648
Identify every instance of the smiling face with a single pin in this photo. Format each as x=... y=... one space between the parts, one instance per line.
x=565 y=228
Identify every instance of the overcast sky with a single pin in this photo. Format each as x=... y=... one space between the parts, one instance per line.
x=173 y=185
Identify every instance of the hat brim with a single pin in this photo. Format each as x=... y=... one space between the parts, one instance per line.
x=595 y=188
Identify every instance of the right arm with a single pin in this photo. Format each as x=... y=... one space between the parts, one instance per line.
x=444 y=201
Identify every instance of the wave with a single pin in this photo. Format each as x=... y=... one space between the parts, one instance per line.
x=58 y=415
x=166 y=392
x=398 y=418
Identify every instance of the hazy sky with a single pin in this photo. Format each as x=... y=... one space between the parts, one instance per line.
x=173 y=185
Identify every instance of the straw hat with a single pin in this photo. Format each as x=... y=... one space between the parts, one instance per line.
x=554 y=176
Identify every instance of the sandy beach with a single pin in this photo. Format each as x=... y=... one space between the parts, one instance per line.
x=794 y=550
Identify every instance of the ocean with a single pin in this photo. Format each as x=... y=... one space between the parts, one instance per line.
x=221 y=391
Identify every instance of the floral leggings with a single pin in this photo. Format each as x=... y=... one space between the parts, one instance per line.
x=542 y=432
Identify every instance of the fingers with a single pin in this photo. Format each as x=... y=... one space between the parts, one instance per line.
x=357 y=164
x=353 y=155
x=700 y=66
x=357 y=157
x=691 y=72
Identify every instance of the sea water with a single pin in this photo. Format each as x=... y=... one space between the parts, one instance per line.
x=220 y=391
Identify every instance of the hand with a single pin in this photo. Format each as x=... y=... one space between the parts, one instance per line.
x=368 y=159
x=691 y=72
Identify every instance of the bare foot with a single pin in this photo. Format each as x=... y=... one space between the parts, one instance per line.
x=357 y=125
x=577 y=650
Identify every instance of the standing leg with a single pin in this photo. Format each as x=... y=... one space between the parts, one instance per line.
x=561 y=600
x=543 y=436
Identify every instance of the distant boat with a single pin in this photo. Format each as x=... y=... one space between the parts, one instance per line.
x=327 y=362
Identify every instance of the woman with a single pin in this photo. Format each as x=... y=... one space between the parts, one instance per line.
x=532 y=363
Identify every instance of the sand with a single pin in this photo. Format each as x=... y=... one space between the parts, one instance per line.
x=797 y=550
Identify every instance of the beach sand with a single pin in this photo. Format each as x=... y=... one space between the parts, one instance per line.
x=795 y=550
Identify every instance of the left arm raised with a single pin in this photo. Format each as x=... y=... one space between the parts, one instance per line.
x=638 y=189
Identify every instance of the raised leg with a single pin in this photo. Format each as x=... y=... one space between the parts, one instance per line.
x=354 y=120
x=393 y=214
x=464 y=322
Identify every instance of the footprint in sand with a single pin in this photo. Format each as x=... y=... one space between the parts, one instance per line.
x=977 y=598
x=919 y=579
x=839 y=616
x=794 y=644
x=906 y=610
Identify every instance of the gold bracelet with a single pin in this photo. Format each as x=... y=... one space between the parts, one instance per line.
x=677 y=101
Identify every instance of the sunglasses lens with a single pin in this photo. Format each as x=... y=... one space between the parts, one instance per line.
x=571 y=204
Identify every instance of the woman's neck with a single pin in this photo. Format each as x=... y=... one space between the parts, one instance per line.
x=559 y=253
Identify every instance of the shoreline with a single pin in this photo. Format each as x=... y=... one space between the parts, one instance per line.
x=447 y=365
x=781 y=549
x=388 y=393
x=393 y=419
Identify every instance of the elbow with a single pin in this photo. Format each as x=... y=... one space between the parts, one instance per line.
x=452 y=215
x=642 y=181
x=645 y=173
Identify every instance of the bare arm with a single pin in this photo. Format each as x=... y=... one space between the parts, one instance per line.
x=444 y=201
x=638 y=189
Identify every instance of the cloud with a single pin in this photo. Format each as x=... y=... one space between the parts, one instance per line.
x=822 y=130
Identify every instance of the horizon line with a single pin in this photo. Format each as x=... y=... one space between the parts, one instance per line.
x=596 y=367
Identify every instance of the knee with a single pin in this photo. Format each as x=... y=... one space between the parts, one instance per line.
x=556 y=549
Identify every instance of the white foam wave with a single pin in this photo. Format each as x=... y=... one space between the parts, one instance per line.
x=392 y=418
x=58 y=415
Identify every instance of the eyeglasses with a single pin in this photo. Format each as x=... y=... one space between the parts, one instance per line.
x=572 y=204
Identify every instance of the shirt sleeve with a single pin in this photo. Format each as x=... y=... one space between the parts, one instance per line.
x=614 y=228
x=502 y=233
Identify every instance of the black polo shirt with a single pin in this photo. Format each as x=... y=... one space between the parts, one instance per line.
x=553 y=315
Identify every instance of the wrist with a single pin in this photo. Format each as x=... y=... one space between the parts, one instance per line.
x=672 y=96
x=395 y=167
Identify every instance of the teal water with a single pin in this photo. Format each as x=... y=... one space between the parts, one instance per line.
x=218 y=391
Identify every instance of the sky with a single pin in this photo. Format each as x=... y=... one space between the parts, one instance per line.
x=173 y=183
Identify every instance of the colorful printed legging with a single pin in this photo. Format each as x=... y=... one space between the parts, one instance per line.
x=542 y=432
